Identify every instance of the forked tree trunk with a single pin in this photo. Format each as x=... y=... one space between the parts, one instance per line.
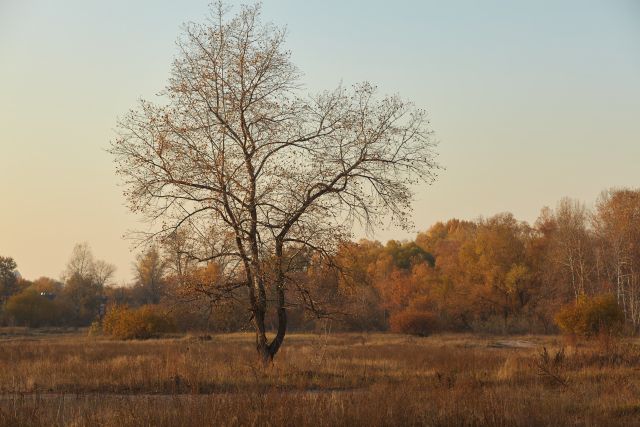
x=268 y=350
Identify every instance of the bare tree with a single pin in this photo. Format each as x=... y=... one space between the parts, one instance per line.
x=82 y=264
x=572 y=248
x=8 y=278
x=149 y=270
x=103 y=272
x=617 y=226
x=85 y=279
x=249 y=171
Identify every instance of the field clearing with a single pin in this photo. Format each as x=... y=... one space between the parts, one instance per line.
x=338 y=379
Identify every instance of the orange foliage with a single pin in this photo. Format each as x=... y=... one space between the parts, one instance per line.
x=591 y=316
x=148 y=321
x=413 y=322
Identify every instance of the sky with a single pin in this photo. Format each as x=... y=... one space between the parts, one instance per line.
x=530 y=101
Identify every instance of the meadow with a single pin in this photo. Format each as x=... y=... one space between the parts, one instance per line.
x=327 y=379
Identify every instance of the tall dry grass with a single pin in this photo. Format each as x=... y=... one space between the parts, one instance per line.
x=317 y=380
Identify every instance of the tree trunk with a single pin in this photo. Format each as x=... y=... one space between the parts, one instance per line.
x=261 y=338
x=268 y=351
x=259 y=308
x=282 y=323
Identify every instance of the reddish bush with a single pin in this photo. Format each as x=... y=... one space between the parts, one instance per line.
x=413 y=322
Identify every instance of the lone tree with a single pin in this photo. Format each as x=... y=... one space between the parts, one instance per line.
x=8 y=278
x=248 y=172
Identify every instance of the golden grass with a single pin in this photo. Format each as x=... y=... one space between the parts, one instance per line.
x=341 y=379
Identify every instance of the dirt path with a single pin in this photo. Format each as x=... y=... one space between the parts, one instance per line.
x=512 y=344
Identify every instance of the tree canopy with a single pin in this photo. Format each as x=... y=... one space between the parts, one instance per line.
x=249 y=170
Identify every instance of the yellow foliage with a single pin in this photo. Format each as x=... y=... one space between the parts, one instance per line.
x=29 y=308
x=148 y=321
x=591 y=316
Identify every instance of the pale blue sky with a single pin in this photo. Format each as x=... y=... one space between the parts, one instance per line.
x=531 y=101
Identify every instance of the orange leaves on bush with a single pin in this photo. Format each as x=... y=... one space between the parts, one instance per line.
x=591 y=316
x=148 y=321
x=413 y=322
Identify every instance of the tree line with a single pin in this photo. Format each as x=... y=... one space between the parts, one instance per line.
x=495 y=274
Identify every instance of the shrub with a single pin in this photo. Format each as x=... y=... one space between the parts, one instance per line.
x=413 y=322
x=95 y=329
x=29 y=308
x=591 y=316
x=148 y=321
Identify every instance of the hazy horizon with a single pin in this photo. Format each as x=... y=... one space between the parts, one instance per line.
x=530 y=102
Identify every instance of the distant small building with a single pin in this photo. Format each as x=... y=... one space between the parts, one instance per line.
x=48 y=295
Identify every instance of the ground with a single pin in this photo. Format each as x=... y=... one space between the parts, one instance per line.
x=317 y=379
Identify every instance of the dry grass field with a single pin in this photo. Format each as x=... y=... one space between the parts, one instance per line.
x=340 y=379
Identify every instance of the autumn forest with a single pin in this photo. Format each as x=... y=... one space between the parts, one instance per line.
x=496 y=275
